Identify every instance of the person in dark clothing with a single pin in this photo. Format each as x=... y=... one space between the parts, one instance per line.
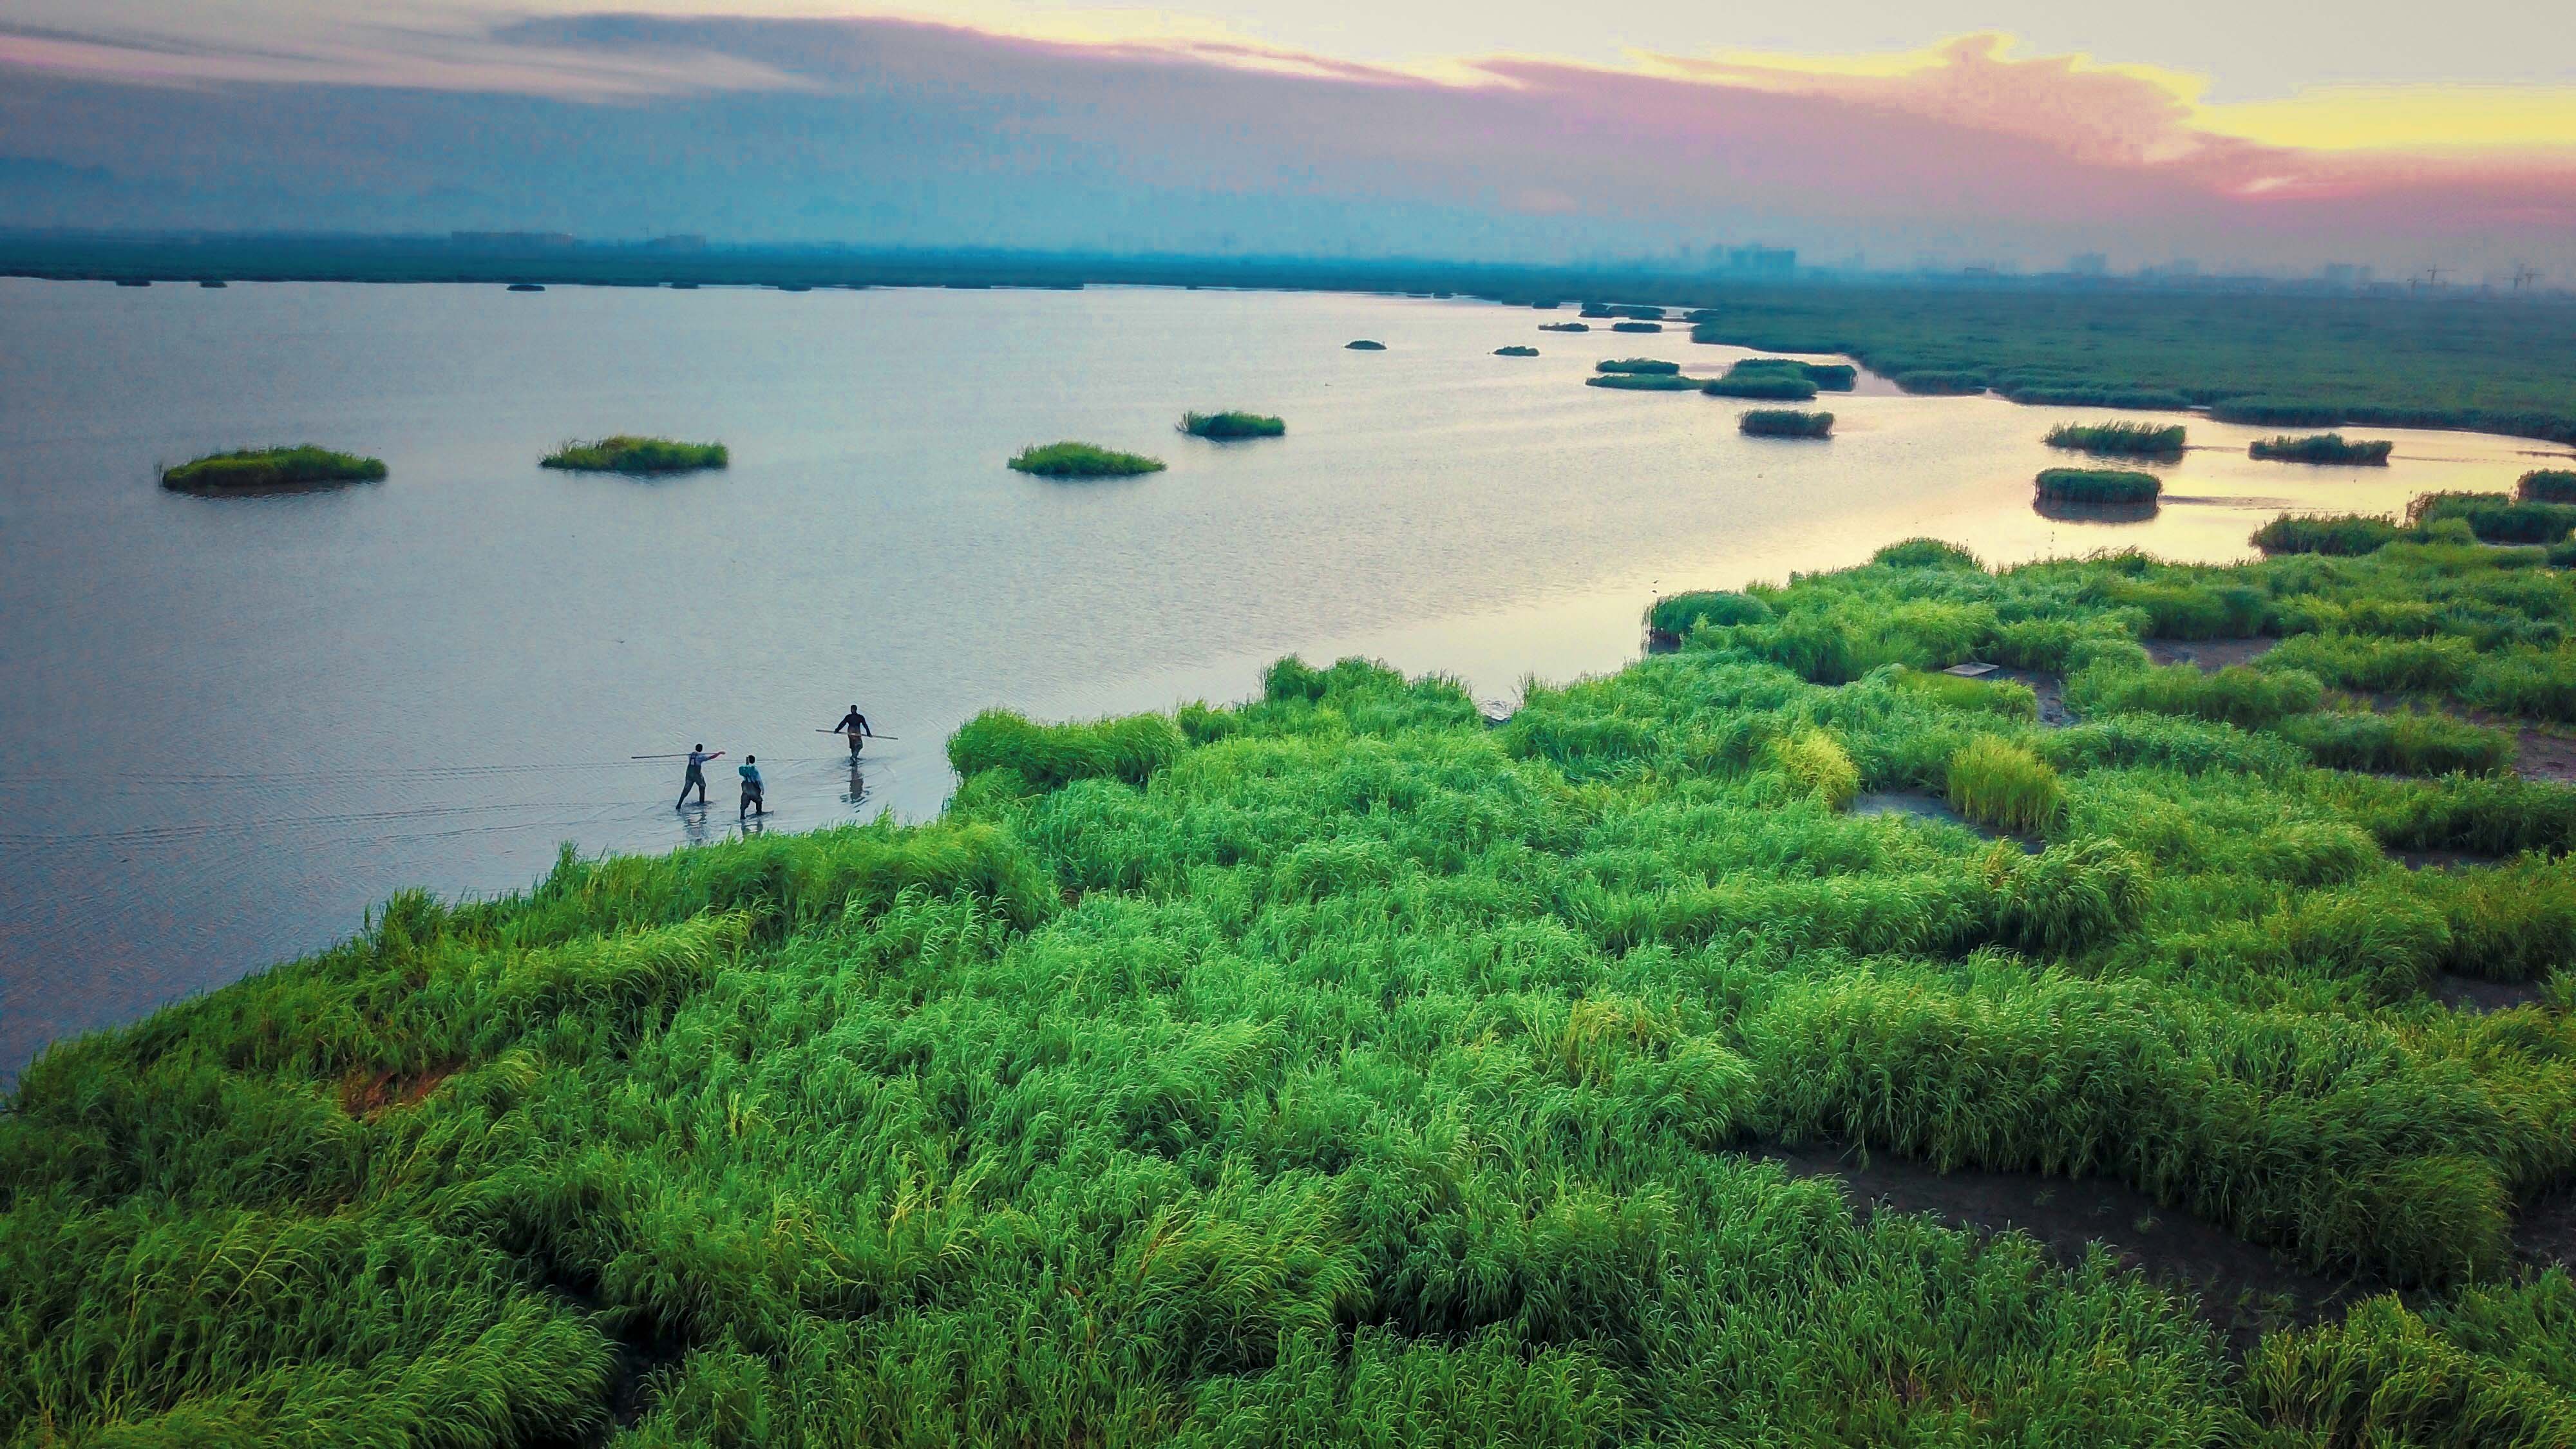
x=855 y=725
x=696 y=779
x=752 y=803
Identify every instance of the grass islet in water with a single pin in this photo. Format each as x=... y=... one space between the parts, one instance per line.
x=627 y=453
x=1761 y=384
x=2119 y=440
x=1638 y=365
x=255 y=468
x=1642 y=382
x=1231 y=424
x=2322 y=448
x=1516 y=351
x=2098 y=485
x=1364 y=344
x=1082 y=460
x=1785 y=423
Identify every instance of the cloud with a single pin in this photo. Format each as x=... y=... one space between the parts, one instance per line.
x=891 y=131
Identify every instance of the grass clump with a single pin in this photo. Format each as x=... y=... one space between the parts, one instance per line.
x=2546 y=485
x=1636 y=326
x=2341 y=536
x=1827 y=376
x=1784 y=423
x=2120 y=440
x=1516 y=350
x=1762 y=386
x=1227 y=425
x=1996 y=782
x=1565 y=327
x=1364 y=344
x=2494 y=517
x=2322 y=448
x=1643 y=381
x=1678 y=614
x=252 y=469
x=1820 y=765
x=2239 y=695
x=1082 y=460
x=2098 y=485
x=1638 y=366
x=625 y=453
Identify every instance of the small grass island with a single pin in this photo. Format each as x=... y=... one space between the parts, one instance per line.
x=625 y=453
x=1636 y=326
x=1516 y=351
x=1226 y=425
x=2545 y=485
x=1640 y=366
x=1785 y=423
x=2098 y=485
x=1565 y=327
x=1364 y=345
x=2120 y=440
x=253 y=470
x=1082 y=460
x=1827 y=376
x=1761 y=384
x=2321 y=448
x=1642 y=382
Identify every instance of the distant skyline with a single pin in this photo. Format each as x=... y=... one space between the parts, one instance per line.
x=2244 y=137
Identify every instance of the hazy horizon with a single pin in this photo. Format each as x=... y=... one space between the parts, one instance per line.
x=2235 y=139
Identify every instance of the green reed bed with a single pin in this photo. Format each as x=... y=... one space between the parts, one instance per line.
x=1227 y=425
x=1364 y=344
x=254 y=469
x=1761 y=386
x=2495 y=517
x=1336 y=1067
x=1643 y=382
x=1516 y=350
x=2546 y=485
x=1827 y=376
x=1784 y=423
x=2098 y=485
x=2322 y=448
x=1641 y=366
x=2120 y=440
x=1082 y=460
x=1565 y=327
x=1636 y=326
x=637 y=456
x=2346 y=535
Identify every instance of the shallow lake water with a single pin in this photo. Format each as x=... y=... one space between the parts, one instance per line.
x=235 y=724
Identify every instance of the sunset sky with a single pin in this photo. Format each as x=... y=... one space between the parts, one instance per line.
x=2244 y=135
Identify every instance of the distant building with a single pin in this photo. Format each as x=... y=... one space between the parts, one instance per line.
x=513 y=240
x=1762 y=260
x=2088 y=264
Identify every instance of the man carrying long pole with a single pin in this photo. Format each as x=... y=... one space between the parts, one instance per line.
x=855 y=725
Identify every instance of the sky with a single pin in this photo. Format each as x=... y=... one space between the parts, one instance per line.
x=2246 y=135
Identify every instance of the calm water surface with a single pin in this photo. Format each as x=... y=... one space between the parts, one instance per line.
x=234 y=724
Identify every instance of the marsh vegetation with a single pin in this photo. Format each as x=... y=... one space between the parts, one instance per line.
x=1640 y=366
x=1228 y=425
x=1784 y=423
x=1364 y=344
x=2098 y=485
x=2119 y=440
x=1643 y=382
x=636 y=456
x=2322 y=448
x=1286 y=1071
x=1516 y=350
x=250 y=470
x=1082 y=460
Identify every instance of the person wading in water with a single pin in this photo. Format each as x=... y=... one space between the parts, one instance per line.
x=696 y=779
x=752 y=803
x=855 y=725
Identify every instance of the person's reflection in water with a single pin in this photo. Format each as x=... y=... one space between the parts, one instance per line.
x=693 y=825
x=857 y=794
x=756 y=825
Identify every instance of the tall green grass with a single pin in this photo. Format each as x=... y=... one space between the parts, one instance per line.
x=1231 y=425
x=1641 y=366
x=251 y=469
x=626 y=453
x=1082 y=460
x=2546 y=485
x=2098 y=485
x=1336 y=1066
x=1760 y=384
x=2343 y=536
x=2322 y=448
x=1784 y=423
x=2139 y=440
